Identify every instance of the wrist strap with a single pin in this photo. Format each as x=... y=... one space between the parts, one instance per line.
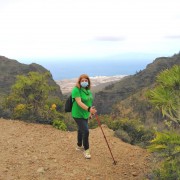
x=89 y=108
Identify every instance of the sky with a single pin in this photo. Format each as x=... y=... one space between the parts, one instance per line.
x=72 y=30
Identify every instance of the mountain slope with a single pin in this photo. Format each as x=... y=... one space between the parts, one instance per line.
x=104 y=100
x=34 y=151
x=9 y=69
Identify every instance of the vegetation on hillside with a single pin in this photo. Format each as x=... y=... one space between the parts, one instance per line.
x=166 y=97
x=105 y=99
x=10 y=68
x=137 y=106
x=30 y=100
x=129 y=130
x=134 y=119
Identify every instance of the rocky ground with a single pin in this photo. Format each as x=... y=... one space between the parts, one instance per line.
x=41 y=152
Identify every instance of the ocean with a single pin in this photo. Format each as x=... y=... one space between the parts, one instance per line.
x=68 y=70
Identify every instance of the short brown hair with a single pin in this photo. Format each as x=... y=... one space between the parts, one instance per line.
x=79 y=80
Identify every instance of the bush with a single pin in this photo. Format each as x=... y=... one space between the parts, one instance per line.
x=59 y=125
x=20 y=112
x=123 y=135
x=57 y=102
x=69 y=121
x=168 y=170
x=93 y=123
x=134 y=128
x=167 y=147
x=5 y=113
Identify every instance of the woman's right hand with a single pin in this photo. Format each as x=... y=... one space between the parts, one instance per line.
x=93 y=110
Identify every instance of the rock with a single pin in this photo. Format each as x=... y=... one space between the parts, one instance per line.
x=88 y=178
x=134 y=173
x=131 y=164
x=41 y=170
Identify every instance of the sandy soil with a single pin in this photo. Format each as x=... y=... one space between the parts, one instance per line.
x=41 y=152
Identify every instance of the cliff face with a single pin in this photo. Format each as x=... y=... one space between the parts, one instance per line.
x=9 y=69
x=112 y=94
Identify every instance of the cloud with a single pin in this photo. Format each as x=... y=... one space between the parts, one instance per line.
x=173 y=37
x=110 y=38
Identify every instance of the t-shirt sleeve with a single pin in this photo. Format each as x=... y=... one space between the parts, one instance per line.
x=75 y=93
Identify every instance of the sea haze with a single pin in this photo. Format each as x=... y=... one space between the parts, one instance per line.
x=72 y=69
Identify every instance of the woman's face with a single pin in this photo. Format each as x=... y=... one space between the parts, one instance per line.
x=84 y=83
x=84 y=80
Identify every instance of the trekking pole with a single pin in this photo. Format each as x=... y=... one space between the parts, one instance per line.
x=105 y=137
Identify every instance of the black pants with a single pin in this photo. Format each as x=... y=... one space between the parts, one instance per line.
x=83 y=132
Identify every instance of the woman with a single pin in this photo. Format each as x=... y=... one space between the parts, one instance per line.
x=81 y=110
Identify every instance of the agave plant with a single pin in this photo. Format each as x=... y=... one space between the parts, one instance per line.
x=167 y=145
x=166 y=95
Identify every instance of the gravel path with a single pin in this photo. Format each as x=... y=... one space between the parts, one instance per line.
x=41 y=152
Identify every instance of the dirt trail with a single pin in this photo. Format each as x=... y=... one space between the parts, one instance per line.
x=41 y=152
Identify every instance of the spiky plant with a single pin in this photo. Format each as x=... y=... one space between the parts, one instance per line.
x=166 y=95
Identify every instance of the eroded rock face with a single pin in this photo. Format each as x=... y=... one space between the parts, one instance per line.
x=9 y=69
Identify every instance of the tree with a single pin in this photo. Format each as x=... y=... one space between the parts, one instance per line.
x=29 y=96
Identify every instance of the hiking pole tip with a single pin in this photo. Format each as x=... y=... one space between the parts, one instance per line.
x=115 y=162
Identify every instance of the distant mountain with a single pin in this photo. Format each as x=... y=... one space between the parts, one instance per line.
x=115 y=93
x=10 y=68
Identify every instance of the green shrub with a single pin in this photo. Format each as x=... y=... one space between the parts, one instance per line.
x=133 y=127
x=29 y=99
x=57 y=102
x=59 y=125
x=93 y=123
x=70 y=122
x=123 y=135
x=168 y=171
x=167 y=147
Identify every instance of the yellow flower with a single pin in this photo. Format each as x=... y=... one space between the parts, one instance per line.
x=53 y=106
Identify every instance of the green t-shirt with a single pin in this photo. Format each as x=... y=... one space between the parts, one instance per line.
x=86 y=98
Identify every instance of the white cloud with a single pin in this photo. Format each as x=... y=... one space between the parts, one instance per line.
x=53 y=28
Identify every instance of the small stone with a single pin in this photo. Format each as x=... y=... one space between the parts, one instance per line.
x=88 y=178
x=134 y=173
x=41 y=170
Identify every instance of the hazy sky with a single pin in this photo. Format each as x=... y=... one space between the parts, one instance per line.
x=77 y=29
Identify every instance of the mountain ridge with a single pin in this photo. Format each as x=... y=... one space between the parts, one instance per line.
x=10 y=68
x=110 y=95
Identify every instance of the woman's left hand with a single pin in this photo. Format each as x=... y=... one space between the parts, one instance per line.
x=93 y=110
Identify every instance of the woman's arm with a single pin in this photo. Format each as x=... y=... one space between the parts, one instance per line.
x=92 y=110
x=81 y=104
